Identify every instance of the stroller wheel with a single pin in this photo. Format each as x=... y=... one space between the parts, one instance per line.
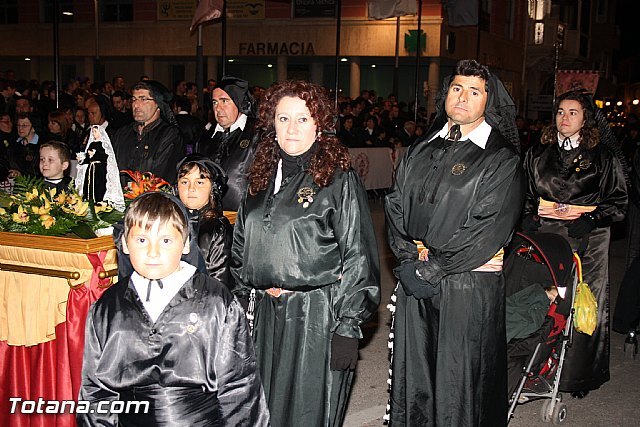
x=545 y=414
x=559 y=413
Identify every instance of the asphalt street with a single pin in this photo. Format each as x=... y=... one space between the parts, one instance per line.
x=616 y=403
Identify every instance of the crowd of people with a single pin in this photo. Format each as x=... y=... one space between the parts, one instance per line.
x=259 y=322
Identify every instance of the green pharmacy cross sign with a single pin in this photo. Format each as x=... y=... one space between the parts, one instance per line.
x=411 y=41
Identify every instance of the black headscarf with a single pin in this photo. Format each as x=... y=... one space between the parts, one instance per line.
x=499 y=113
x=238 y=91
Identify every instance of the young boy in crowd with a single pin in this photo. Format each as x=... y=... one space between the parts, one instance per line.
x=54 y=165
x=169 y=335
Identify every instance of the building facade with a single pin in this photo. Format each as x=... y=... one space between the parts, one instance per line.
x=580 y=35
x=266 y=41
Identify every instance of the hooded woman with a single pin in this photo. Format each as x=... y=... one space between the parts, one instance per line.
x=97 y=177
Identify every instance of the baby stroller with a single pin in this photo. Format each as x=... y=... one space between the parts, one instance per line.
x=536 y=265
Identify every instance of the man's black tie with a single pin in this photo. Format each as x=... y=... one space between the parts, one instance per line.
x=223 y=146
x=566 y=143
x=454 y=133
x=159 y=282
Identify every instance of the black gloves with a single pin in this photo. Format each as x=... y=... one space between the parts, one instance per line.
x=580 y=227
x=344 y=353
x=412 y=285
x=531 y=223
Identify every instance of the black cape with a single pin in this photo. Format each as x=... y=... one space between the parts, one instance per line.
x=158 y=149
x=235 y=155
x=449 y=352
x=215 y=236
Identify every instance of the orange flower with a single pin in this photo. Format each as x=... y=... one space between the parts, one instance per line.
x=142 y=183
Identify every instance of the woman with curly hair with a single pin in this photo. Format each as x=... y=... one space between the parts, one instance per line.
x=577 y=189
x=304 y=253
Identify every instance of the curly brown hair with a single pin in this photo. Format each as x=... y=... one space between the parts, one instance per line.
x=589 y=134
x=330 y=154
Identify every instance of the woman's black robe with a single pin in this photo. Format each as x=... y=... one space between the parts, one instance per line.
x=586 y=178
x=320 y=243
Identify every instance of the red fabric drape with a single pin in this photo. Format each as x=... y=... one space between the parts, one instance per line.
x=51 y=370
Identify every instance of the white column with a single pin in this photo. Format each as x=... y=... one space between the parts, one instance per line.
x=354 y=77
x=34 y=68
x=89 y=62
x=148 y=66
x=281 y=68
x=433 y=84
x=317 y=72
x=212 y=68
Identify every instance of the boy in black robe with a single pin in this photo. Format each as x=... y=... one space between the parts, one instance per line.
x=167 y=336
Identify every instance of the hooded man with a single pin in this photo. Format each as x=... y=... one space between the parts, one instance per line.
x=152 y=143
x=233 y=140
x=458 y=195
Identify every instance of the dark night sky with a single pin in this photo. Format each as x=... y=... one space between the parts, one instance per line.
x=629 y=21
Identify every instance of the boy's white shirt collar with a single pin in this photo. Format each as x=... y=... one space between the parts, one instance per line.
x=159 y=298
x=479 y=136
x=240 y=122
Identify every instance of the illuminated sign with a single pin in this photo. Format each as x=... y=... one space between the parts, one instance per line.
x=276 y=48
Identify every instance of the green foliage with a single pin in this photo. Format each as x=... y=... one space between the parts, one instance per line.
x=33 y=209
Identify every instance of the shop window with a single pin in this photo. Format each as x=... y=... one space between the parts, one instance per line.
x=66 y=11
x=8 y=12
x=117 y=10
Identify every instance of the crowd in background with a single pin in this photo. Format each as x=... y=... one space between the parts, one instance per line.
x=29 y=113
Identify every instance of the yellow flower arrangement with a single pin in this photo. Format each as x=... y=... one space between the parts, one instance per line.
x=35 y=210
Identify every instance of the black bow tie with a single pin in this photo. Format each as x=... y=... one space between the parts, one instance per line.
x=566 y=143
x=160 y=285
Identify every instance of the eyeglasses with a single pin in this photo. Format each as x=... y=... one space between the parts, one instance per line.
x=141 y=99
x=24 y=126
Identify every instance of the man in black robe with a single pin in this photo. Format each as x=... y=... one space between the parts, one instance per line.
x=232 y=141
x=458 y=192
x=152 y=143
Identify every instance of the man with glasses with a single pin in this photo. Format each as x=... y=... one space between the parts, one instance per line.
x=152 y=143
x=25 y=148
